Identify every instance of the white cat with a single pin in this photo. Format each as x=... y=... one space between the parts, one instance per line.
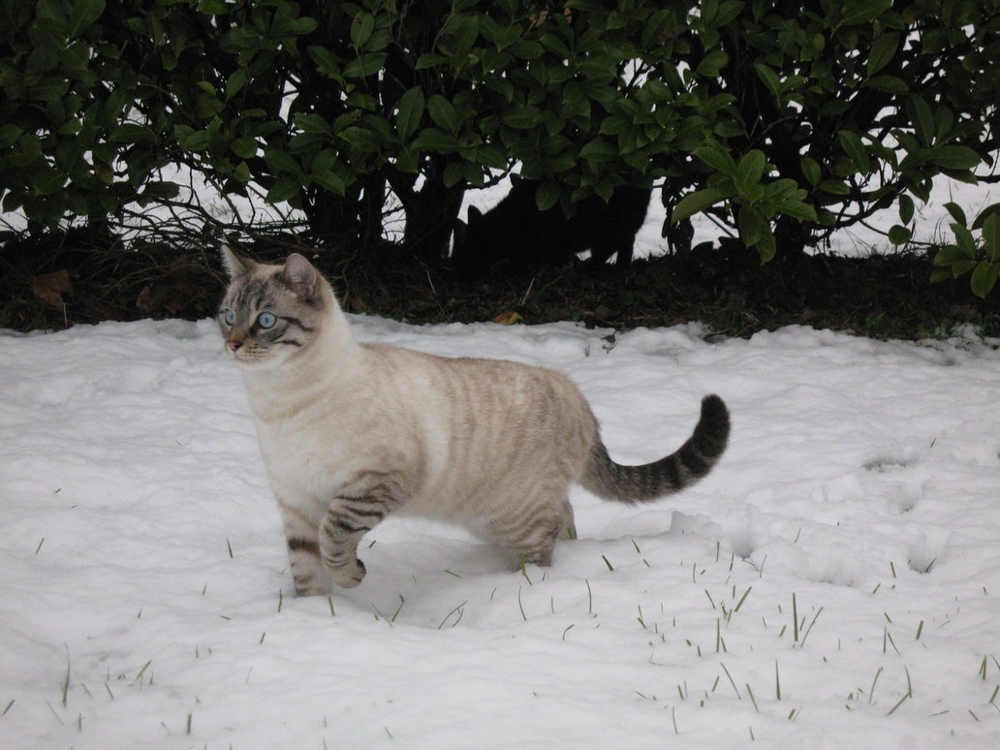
x=350 y=432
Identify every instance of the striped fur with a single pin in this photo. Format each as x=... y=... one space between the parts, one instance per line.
x=350 y=432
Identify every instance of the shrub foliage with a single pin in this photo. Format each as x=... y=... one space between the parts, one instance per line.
x=786 y=121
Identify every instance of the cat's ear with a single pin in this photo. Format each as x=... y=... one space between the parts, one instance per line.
x=301 y=277
x=236 y=265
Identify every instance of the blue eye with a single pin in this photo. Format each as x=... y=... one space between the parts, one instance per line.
x=266 y=320
x=229 y=316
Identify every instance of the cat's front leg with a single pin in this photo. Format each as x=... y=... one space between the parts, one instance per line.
x=346 y=521
x=308 y=572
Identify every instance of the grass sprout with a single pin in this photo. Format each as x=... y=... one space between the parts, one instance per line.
x=65 y=684
x=906 y=695
x=460 y=609
x=731 y=681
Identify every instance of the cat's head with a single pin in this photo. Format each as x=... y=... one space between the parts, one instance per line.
x=271 y=313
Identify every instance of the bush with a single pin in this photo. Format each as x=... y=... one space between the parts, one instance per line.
x=967 y=256
x=786 y=121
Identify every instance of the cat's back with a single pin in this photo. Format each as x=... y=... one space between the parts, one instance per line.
x=480 y=422
x=470 y=385
x=471 y=408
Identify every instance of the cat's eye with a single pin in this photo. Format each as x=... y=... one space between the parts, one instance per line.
x=266 y=320
x=229 y=316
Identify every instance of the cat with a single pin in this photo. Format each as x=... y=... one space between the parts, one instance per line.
x=514 y=233
x=350 y=432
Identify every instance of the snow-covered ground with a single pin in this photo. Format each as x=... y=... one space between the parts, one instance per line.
x=835 y=583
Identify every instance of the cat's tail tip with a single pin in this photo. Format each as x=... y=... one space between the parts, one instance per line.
x=713 y=426
x=682 y=468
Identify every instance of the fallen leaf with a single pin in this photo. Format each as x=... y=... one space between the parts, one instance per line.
x=508 y=318
x=50 y=288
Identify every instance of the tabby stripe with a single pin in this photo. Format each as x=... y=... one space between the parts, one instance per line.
x=525 y=523
x=298 y=544
x=341 y=523
x=251 y=295
x=297 y=323
x=366 y=511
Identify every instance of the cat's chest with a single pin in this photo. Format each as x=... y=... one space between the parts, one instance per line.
x=318 y=453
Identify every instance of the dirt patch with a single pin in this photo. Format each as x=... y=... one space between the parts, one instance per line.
x=81 y=278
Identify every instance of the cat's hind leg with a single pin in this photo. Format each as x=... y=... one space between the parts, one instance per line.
x=346 y=521
x=530 y=532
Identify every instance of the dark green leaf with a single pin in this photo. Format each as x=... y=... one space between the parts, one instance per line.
x=212 y=7
x=522 y=118
x=361 y=139
x=796 y=209
x=444 y=114
x=752 y=224
x=695 y=203
x=966 y=242
x=361 y=28
x=852 y=145
x=955 y=157
x=769 y=77
x=279 y=161
x=410 y=113
x=367 y=65
x=430 y=60
x=599 y=150
x=857 y=12
x=991 y=236
x=766 y=246
x=750 y=169
x=245 y=147
x=329 y=180
x=432 y=139
x=899 y=235
x=889 y=84
x=547 y=195
x=282 y=191
x=717 y=156
x=9 y=135
x=83 y=14
x=956 y=213
x=811 y=170
x=984 y=278
x=711 y=65
x=906 y=208
x=464 y=28
x=882 y=52
x=833 y=187
x=922 y=119
x=984 y=214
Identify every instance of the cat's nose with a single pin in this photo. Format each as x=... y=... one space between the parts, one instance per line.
x=234 y=344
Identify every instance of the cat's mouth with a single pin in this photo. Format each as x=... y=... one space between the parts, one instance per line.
x=244 y=354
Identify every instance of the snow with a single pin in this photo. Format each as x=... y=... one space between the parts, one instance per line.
x=834 y=583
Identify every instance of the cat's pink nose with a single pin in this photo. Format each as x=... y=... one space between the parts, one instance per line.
x=234 y=344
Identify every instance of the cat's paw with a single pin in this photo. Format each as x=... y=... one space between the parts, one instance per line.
x=311 y=590
x=348 y=576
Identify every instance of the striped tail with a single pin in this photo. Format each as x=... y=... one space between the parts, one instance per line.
x=684 y=467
